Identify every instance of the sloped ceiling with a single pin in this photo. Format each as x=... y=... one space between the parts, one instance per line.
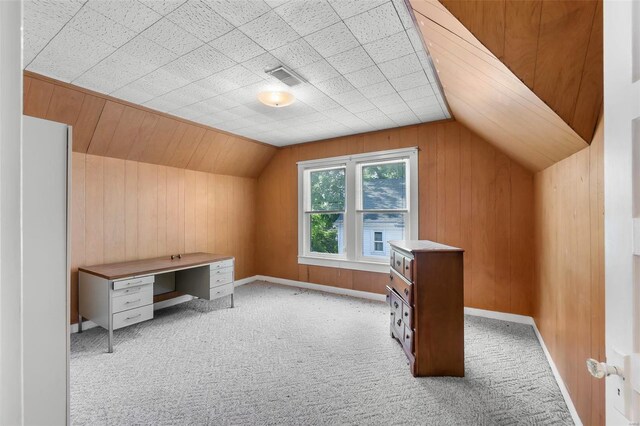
x=554 y=47
x=489 y=98
x=110 y=127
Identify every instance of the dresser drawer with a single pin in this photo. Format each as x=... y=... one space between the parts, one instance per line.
x=132 y=290
x=133 y=282
x=221 y=291
x=398 y=262
x=407 y=315
x=407 y=339
x=399 y=284
x=407 y=269
x=132 y=316
x=221 y=265
x=134 y=300
x=222 y=279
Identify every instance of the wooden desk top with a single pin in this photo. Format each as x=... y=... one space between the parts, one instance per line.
x=414 y=246
x=114 y=271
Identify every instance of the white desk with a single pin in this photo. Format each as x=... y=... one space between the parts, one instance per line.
x=121 y=294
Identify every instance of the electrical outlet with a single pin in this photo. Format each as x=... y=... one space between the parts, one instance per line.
x=622 y=401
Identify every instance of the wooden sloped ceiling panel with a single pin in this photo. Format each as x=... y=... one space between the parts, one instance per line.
x=488 y=98
x=109 y=127
x=553 y=46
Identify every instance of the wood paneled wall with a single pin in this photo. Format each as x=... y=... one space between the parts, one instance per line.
x=488 y=98
x=569 y=271
x=471 y=196
x=128 y=210
x=554 y=47
x=111 y=127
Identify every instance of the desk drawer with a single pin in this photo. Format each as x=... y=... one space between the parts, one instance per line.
x=132 y=290
x=132 y=316
x=133 y=300
x=133 y=282
x=221 y=291
x=221 y=265
x=222 y=279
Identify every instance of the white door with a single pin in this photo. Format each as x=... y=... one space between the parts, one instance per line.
x=45 y=271
x=622 y=206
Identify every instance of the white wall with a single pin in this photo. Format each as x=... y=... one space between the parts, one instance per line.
x=621 y=106
x=10 y=246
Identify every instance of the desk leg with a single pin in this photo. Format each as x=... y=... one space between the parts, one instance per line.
x=79 y=323
x=110 y=340
x=232 y=300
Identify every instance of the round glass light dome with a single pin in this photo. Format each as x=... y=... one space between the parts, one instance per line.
x=276 y=99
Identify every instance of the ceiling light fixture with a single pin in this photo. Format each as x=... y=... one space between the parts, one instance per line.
x=276 y=99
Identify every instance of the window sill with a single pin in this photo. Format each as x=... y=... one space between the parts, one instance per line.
x=361 y=265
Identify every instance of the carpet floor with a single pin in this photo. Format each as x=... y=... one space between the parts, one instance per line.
x=292 y=356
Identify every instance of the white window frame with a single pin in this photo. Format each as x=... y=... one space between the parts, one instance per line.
x=352 y=257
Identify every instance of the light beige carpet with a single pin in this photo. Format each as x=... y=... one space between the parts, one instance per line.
x=290 y=356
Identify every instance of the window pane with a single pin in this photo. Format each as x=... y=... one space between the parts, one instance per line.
x=391 y=225
x=384 y=186
x=377 y=236
x=327 y=189
x=327 y=233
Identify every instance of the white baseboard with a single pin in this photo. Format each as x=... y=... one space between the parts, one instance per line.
x=324 y=288
x=244 y=281
x=86 y=325
x=502 y=316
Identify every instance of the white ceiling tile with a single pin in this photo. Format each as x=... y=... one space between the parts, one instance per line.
x=196 y=17
x=160 y=104
x=98 y=82
x=398 y=67
x=403 y=13
x=433 y=116
x=370 y=115
x=420 y=92
x=389 y=48
x=351 y=60
x=348 y=8
x=237 y=46
x=113 y=72
x=147 y=51
x=349 y=98
x=163 y=7
x=172 y=37
x=337 y=113
x=31 y=46
x=270 y=31
x=360 y=106
x=261 y=64
x=296 y=54
x=322 y=103
x=307 y=17
x=332 y=40
x=239 y=12
x=416 y=39
x=187 y=69
x=317 y=71
x=404 y=118
x=377 y=89
x=375 y=24
x=130 y=94
x=187 y=112
x=44 y=18
x=365 y=77
x=398 y=108
x=178 y=98
x=99 y=27
x=209 y=59
x=409 y=81
x=386 y=100
x=69 y=54
x=335 y=86
x=158 y=82
x=132 y=14
x=420 y=108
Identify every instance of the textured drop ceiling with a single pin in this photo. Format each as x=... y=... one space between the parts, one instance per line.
x=205 y=61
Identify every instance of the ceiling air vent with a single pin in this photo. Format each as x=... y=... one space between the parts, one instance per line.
x=287 y=77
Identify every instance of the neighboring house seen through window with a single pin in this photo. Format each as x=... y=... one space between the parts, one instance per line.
x=350 y=207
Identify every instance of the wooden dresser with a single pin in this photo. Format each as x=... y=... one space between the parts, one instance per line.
x=425 y=294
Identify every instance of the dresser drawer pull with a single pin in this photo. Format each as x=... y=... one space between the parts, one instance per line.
x=391 y=277
x=399 y=322
x=398 y=263
x=406 y=314
x=395 y=305
x=130 y=318
x=406 y=291
x=132 y=301
x=408 y=336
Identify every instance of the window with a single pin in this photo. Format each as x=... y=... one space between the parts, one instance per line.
x=378 y=245
x=350 y=207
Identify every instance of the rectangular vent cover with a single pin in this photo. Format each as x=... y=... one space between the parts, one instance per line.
x=287 y=77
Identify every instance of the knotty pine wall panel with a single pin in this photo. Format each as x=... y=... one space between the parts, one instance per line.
x=568 y=302
x=471 y=196
x=126 y=210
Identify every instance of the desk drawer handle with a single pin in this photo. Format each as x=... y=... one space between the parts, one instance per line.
x=132 y=301
x=134 y=282
x=130 y=318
